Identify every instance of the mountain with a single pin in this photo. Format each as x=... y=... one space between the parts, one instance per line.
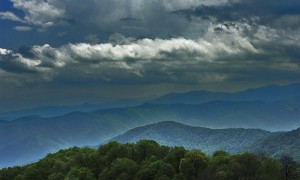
x=52 y=111
x=207 y=140
x=91 y=128
x=287 y=143
x=273 y=116
x=26 y=140
x=268 y=93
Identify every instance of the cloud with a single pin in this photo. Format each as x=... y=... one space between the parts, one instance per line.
x=268 y=12
x=39 y=12
x=226 y=53
x=10 y=16
x=4 y=51
x=130 y=17
x=92 y=38
x=152 y=42
x=23 y=28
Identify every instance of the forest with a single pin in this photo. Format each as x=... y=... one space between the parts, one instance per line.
x=147 y=160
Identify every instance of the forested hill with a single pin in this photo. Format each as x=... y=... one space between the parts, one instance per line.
x=208 y=140
x=45 y=135
x=278 y=144
x=147 y=160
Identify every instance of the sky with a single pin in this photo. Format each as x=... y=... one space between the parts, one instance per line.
x=55 y=52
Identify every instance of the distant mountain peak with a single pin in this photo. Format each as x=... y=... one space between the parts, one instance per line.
x=269 y=93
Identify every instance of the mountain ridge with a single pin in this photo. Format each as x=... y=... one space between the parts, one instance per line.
x=233 y=140
x=172 y=133
x=265 y=93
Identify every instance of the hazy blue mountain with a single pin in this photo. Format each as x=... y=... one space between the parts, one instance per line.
x=29 y=139
x=273 y=116
x=52 y=111
x=28 y=150
x=208 y=140
x=268 y=93
x=91 y=128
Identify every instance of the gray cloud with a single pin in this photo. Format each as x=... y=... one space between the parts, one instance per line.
x=221 y=55
x=163 y=44
x=40 y=12
x=23 y=28
x=282 y=14
x=138 y=18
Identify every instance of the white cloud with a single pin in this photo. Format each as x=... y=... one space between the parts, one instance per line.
x=4 y=51
x=23 y=28
x=40 y=12
x=10 y=16
x=217 y=56
x=136 y=56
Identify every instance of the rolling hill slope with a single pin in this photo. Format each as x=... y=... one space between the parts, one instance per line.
x=287 y=143
x=207 y=140
x=91 y=128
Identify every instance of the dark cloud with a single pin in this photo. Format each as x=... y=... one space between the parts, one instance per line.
x=222 y=55
x=270 y=12
x=138 y=43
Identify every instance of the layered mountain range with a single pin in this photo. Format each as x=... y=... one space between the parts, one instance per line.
x=274 y=108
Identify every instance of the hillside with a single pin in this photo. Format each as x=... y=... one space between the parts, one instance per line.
x=90 y=128
x=275 y=144
x=205 y=139
x=147 y=160
x=273 y=116
x=284 y=143
x=19 y=138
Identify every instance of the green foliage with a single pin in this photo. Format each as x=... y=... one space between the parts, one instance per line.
x=289 y=169
x=174 y=157
x=121 y=168
x=193 y=164
x=156 y=170
x=147 y=160
x=270 y=169
x=81 y=173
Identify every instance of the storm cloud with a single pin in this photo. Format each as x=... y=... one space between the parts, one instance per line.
x=217 y=56
x=172 y=45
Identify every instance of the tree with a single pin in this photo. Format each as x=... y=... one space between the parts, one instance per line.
x=155 y=170
x=121 y=168
x=112 y=151
x=146 y=148
x=10 y=173
x=289 y=168
x=218 y=166
x=246 y=166
x=175 y=156
x=80 y=174
x=193 y=164
x=270 y=169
